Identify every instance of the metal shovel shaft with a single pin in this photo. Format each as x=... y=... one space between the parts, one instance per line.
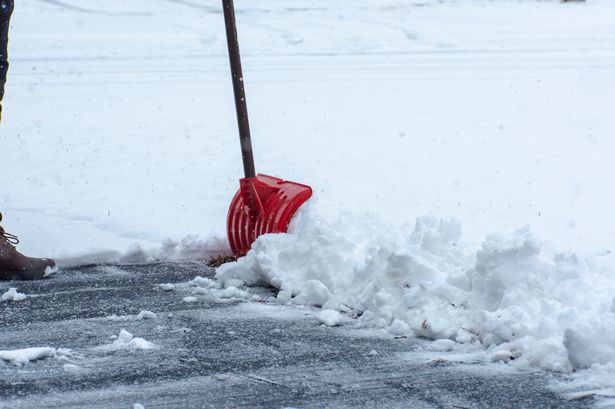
x=238 y=89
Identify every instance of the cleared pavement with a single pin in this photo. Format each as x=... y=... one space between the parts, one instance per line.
x=221 y=353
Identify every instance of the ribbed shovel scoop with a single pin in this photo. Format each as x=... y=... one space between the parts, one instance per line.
x=264 y=204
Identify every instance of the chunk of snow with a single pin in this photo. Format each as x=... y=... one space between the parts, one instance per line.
x=13 y=295
x=201 y=291
x=399 y=327
x=146 y=315
x=125 y=340
x=312 y=292
x=234 y=292
x=190 y=299
x=24 y=356
x=203 y=282
x=234 y=283
x=50 y=271
x=330 y=318
x=167 y=286
x=442 y=345
x=591 y=341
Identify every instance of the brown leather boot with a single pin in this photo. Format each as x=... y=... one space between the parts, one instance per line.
x=16 y=266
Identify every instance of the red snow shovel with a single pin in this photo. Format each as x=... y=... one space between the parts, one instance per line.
x=264 y=204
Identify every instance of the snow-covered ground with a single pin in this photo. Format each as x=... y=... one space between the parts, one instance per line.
x=119 y=124
x=119 y=131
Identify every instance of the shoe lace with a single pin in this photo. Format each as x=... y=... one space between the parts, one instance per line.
x=11 y=238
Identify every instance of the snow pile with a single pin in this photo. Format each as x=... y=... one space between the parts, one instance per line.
x=125 y=340
x=13 y=295
x=24 y=356
x=554 y=312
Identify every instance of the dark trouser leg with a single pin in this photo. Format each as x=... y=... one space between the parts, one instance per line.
x=6 y=9
x=13 y=264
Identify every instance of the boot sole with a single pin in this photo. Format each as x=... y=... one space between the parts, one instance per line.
x=28 y=275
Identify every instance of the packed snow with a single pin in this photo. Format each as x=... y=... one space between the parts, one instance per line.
x=493 y=118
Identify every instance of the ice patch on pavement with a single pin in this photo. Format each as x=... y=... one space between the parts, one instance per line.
x=12 y=295
x=125 y=340
x=24 y=356
x=532 y=310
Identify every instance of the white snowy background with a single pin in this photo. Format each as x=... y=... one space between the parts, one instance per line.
x=493 y=118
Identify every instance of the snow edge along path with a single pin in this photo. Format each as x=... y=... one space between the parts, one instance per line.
x=555 y=312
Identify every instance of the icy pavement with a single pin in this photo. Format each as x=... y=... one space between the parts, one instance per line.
x=223 y=353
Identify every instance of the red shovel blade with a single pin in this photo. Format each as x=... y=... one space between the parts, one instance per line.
x=264 y=204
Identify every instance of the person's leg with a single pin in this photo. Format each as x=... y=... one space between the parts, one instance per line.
x=13 y=264
x=6 y=9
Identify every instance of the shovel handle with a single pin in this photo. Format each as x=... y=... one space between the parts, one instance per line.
x=238 y=89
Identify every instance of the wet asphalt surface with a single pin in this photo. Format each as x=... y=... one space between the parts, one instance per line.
x=214 y=353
